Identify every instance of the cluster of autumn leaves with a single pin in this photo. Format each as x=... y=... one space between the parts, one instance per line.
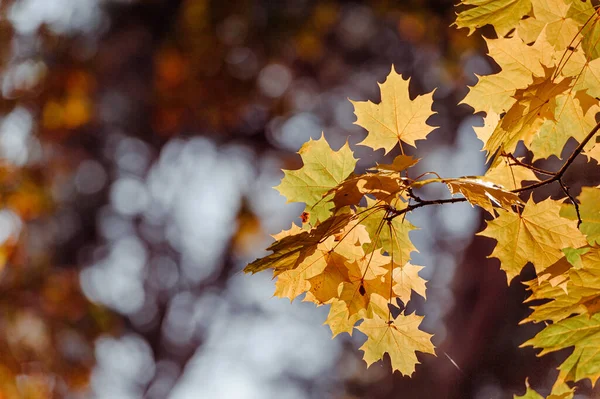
x=353 y=249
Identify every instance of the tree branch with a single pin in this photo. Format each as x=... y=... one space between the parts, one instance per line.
x=420 y=203
x=556 y=176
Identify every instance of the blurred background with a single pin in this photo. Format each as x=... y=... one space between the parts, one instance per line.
x=139 y=141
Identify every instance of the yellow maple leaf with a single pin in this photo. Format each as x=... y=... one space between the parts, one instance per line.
x=293 y=283
x=503 y=15
x=586 y=72
x=339 y=320
x=483 y=193
x=407 y=279
x=357 y=289
x=526 y=116
x=400 y=339
x=325 y=285
x=570 y=120
x=519 y=63
x=561 y=31
x=537 y=235
x=562 y=304
x=292 y=250
x=396 y=118
x=323 y=170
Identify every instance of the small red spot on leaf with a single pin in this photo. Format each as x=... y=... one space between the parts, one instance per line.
x=304 y=217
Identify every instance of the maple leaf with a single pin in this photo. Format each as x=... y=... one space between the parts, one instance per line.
x=323 y=170
x=400 y=339
x=537 y=235
x=570 y=120
x=407 y=279
x=553 y=17
x=396 y=118
x=324 y=285
x=573 y=286
x=292 y=250
x=339 y=320
x=502 y=14
x=586 y=73
x=562 y=305
x=295 y=282
x=357 y=288
x=519 y=63
x=581 y=332
x=525 y=117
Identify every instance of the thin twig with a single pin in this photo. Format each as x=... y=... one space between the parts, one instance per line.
x=397 y=212
x=516 y=162
x=566 y=191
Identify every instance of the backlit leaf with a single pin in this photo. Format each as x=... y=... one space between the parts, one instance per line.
x=396 y=118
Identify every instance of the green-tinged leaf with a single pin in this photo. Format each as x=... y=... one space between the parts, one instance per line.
x=569 y=120
x=392 y=237
x=581 y=332
x=537 y=235
x=589 y=209
x=323 y=170
x=504 y=15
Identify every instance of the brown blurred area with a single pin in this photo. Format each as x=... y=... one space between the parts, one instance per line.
x=139 y=141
